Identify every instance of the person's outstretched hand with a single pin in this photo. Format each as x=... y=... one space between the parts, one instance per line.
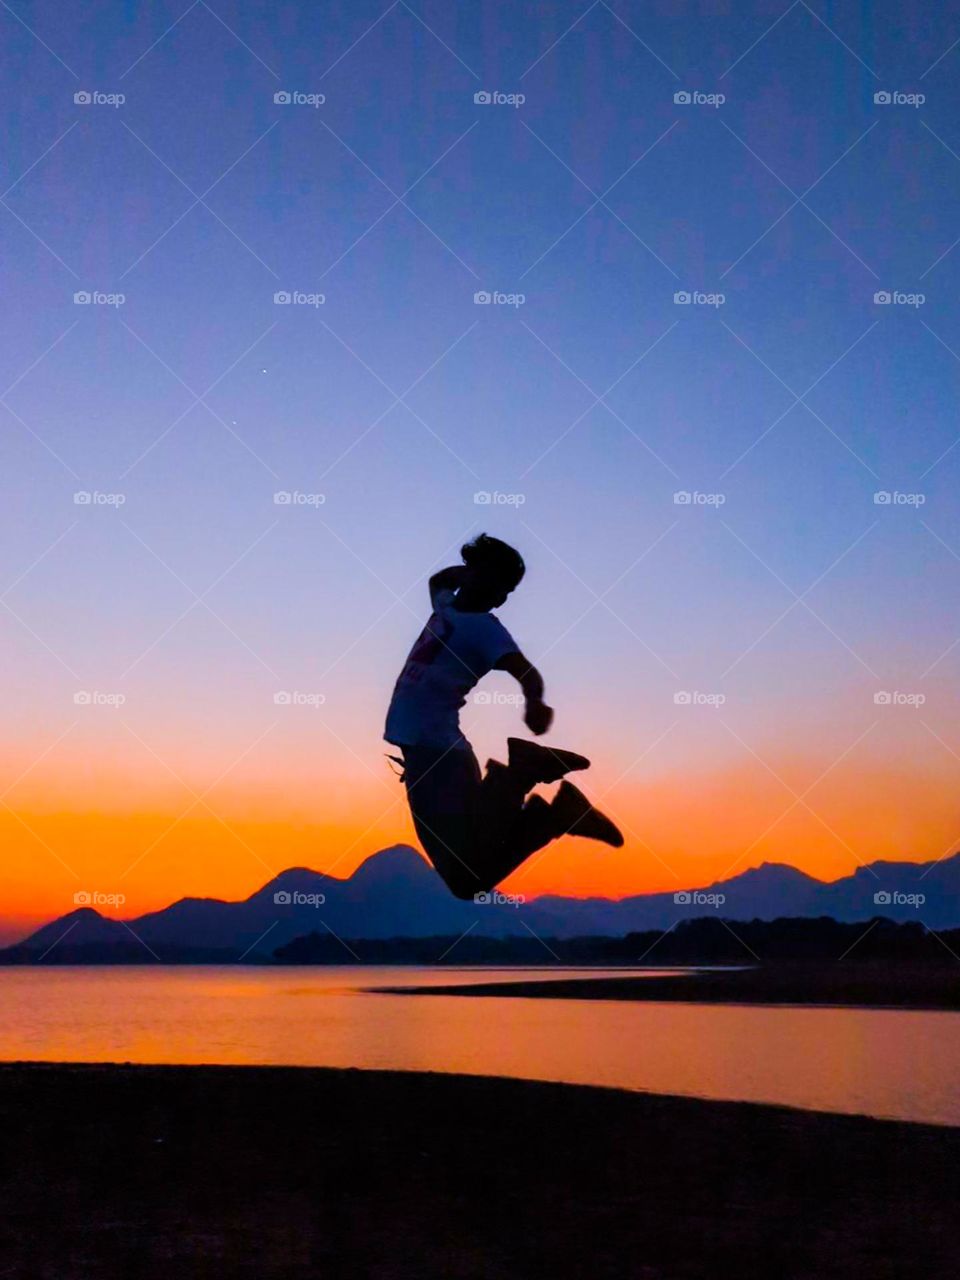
x=538 y=717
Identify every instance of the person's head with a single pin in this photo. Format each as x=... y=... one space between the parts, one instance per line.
x=495 y=569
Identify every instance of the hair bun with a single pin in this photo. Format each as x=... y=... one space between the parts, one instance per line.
x=492 y=556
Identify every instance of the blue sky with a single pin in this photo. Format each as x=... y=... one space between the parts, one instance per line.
x=596 y=400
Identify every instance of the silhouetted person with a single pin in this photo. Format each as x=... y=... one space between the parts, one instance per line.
x=476 y=828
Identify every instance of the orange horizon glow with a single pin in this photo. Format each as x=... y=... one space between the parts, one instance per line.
x=681 y=832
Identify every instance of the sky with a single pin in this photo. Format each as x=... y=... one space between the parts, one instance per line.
x=670 y=306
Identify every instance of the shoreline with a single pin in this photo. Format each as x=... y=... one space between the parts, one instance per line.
x=880 y=986
x=285 y=1173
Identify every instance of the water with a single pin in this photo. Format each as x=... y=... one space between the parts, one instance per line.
x=893 y=1063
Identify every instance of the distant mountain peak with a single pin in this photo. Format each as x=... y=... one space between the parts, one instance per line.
x=83 y=913
x=293 y=875
x=291 y=878
x=396 y=864
x=388 y=864
x=83 y=924
x=773 y=872
x=907 y=867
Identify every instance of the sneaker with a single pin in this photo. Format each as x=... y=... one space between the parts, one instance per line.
x=543 y=764
x=577 y=817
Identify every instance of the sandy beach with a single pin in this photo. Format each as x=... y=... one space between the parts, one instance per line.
x=113 y=1171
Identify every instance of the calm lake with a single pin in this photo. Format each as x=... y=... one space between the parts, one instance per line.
x=873 y=1062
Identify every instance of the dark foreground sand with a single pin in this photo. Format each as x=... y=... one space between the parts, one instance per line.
x=268 y=1173
x=878 y=985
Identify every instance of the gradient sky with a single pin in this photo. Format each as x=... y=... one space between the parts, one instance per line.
x=596 y=400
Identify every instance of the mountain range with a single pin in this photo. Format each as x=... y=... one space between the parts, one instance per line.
x=396 y=894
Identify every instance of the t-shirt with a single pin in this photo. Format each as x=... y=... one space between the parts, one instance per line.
x=453 y=651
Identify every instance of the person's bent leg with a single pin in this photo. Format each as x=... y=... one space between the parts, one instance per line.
x=502 y=793
x=534 y=826
x=477 y=831
x=509 y=838
x=442 y=789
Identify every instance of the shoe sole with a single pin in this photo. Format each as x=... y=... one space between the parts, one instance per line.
x=555 y=763
x=606 y=833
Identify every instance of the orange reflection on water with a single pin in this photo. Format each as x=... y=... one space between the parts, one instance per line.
x=901 y=1064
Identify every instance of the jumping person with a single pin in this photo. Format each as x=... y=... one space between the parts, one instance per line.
x=476 y=828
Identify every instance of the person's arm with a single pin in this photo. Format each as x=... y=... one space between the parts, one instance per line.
x=537 y=716
x=446 y=580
